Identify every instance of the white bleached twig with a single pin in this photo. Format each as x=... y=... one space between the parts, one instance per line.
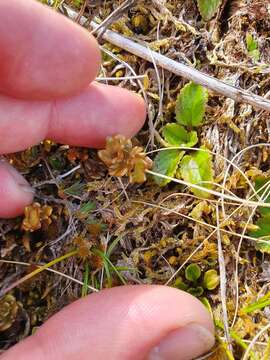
x=177 y=68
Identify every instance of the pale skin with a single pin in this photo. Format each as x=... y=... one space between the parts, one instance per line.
x=46 y=66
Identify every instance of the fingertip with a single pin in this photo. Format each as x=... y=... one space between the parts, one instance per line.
x=66 y=63
x=130 y=111
x=15 y=192
x=128 y=322
x=96 y=113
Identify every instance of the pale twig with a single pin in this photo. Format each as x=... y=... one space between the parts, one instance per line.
x=179 y=69
x=68 y=172
x=141 y=77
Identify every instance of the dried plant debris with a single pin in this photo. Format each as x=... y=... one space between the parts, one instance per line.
x=208 y=8
x=163 y=231
x=8 y=312
x=122 y=158
x=34 y=215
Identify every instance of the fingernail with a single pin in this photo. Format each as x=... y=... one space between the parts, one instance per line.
x=27 y=188
x=186 y=343
x=18 y=178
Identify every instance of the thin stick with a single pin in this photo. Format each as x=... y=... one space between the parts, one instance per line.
x=177 y=68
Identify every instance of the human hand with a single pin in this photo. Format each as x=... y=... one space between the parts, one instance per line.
x=46 y=66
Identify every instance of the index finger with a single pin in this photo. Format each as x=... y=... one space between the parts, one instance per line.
x=43 y=55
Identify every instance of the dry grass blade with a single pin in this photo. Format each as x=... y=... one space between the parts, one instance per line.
x=37 y=271
x=253 y=342
x=52 y=271
x=236 y=199
x=223 y=282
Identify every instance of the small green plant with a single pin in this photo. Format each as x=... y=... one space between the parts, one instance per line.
x=85 y=290
x=167 y=163
x=262 y=231
x=252 y=47
x=211 y=279
x=193 y=272
x=257 y=305
x=195 y=282
x=196 y=167
x=208 y=8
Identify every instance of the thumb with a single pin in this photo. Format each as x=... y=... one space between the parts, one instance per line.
x=15 y=192
x=124 y=323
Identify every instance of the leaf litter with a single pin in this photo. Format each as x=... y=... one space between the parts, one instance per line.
x=140 y=229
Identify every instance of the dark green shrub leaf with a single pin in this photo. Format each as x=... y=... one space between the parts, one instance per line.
x=197 y=291
x=208 y=8
x=211 y=279
x=166 y=163
x=263 y=232
x=262 y=187
x=179 y=284
x=190 y=105
x=192 y=272
x=75 y=189
x=87 y=207
x=197 y=169
x=177 y=135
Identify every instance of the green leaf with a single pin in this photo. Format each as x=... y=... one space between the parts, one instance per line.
x=252 y=44
x=75 y=189
x=263 y=224
x=252 y=47
x=208 y=306
x=85 y=280
x=262 y=187
x=197 y=169
x=192 y=272
x=210 y=279
x=198 y=291
x=190 y=105
x=177 y=135
x=257 y=305
x=87 y=207
x=166 y=163
x=179 y=284
x=208 y=8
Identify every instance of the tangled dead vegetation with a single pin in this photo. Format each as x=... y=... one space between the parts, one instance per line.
x=99 y=230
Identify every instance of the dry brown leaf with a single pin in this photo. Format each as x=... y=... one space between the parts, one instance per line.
x=122 y=159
